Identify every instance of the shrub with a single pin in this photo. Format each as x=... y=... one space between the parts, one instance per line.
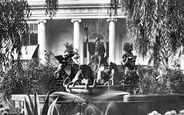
x=172 y=112
x=151 y=82
x=30 y=77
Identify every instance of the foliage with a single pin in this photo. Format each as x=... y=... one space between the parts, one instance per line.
x=15 y=109
x=51 y=7
x=33 y=106
x=151 y=82
x=4 y=111
x=31 y=77
x=172 y=112
x=128 y=47
x=113 y=7
x=69 y=47
x=13 y=28
x=11 y=82
x=157 y=27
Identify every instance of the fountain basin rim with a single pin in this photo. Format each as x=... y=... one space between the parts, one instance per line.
x=91 y=89
x=92 y=86
x=154 y=98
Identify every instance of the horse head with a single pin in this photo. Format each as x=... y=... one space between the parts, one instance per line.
x=87 y=73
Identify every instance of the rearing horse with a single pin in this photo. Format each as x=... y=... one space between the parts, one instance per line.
x=81 y=75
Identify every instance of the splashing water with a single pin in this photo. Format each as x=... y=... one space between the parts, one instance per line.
x=70 y=96
x=109 y=95
x=89 y=110
x=111 y=109
x=95 y=110
x=90 y=107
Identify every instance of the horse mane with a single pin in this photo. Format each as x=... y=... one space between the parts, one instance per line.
x=86 y=66
x=88 y=70
x=114 y=66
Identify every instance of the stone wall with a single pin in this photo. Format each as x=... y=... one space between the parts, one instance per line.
x=125 y=105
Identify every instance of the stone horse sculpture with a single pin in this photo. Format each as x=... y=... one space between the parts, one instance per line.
x=81 y=75
x=76 y=74
x=95 y=77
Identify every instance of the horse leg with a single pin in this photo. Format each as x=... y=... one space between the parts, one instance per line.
x=76 y=78
x=67 y=86
x=86 y=83
x=99 y=76
x=112 y=76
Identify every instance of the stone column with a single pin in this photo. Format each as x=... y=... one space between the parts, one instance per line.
x=112 y=43
x=42 y=40
x=77 y=41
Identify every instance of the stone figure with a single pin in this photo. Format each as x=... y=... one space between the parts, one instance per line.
x=128 y=60
x=99 y=52
x=75 y=57
x=63 y=61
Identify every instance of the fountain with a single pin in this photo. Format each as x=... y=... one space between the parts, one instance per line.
x=95 y=95
x=104 y=98
x=93 y=87
x=93 y=90
x=105 y=104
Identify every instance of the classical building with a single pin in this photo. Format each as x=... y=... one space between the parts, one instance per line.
x=68 y=26
x=101 y=19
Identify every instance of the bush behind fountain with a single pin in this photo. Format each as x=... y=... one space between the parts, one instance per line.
x=34 y=77
x=31 y=77
x=151 y=82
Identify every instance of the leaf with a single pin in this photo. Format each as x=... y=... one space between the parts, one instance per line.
x=12 y=106
x=46 y=105
x=68 y=107
x=52 y=106
x=37 y=104
x=31 y=104
x=28 y=110
x=57 y=110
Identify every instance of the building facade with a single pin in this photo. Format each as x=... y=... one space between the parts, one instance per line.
x=68 y=26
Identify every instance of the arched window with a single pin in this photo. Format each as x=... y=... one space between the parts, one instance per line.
x=96 y=35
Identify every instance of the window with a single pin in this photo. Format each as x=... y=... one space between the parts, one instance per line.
x=32 y=37
x=31 y=40
x=33 y=28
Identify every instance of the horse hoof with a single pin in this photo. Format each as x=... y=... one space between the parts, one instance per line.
x=73 y=85
x=86 y=87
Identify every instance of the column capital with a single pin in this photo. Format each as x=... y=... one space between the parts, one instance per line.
x=111 y=20
x=76 y=20
x=41 y=21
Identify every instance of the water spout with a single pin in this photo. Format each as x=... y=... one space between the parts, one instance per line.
x=89 y=111
x=111 y=109
x=69 y=96
x=109 y=95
